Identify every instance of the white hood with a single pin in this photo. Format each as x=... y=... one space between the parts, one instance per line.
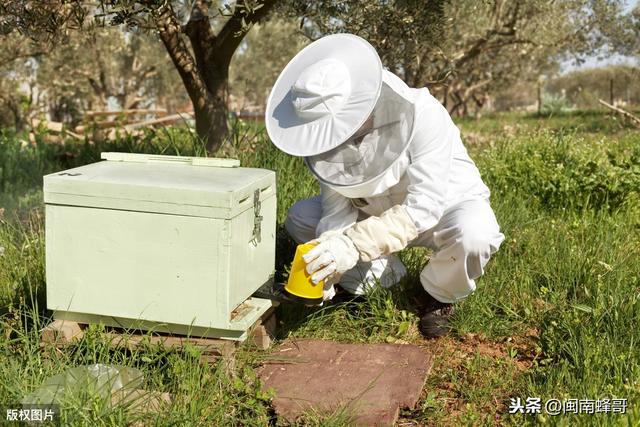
x=368 y=163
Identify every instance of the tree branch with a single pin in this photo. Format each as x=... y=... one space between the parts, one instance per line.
x=238 y=25
x=636 y=120
x=6 y=61
x=199 y=30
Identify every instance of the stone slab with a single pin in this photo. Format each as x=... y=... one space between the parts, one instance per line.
x=371 y=382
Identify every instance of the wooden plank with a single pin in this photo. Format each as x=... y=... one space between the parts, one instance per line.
x=625 y=113
x=64 y=332
x=159 y=111
x=61 y=332
x=73 y=134
x=263 y=333
x=106 y=124
x=210 y=346
x=251 y=116
x=51 y=126
x=163 y=121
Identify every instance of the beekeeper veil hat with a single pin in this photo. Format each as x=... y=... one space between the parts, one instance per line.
x=335 y=105
x=323 y=95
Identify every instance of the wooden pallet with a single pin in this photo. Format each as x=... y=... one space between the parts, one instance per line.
x=61 y=333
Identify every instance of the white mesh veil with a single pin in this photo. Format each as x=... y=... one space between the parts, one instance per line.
x=373 y=148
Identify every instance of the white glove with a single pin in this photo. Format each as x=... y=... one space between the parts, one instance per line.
x=333 y=256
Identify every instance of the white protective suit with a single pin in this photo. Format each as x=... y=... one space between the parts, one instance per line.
x=430 y=195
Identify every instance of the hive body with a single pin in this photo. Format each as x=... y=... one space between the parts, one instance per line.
x=166 y=243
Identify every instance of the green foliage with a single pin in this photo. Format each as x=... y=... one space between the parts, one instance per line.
x=552 y=104
x=22 y=264
x=564 y=170
x=404 y=33
x=588 y=124
x=267 y=47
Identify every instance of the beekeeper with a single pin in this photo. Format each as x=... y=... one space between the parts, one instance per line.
x=393 y=174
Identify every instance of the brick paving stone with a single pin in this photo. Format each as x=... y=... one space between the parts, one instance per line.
x=370 y=381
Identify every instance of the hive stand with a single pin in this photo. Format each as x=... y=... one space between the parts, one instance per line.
x=62 y=333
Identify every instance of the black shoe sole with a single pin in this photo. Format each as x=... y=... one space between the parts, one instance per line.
x=276 y=292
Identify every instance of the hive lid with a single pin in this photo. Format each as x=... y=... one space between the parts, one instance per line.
x=195 y=186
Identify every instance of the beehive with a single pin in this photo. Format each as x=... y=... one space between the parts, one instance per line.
x=174 y=244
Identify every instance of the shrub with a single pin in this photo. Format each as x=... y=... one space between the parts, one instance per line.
x=562 y=170
x=552 y=104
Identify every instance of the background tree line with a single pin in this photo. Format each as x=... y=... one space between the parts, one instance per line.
x=64 y=57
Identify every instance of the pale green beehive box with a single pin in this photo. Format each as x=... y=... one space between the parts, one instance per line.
x=173 y=244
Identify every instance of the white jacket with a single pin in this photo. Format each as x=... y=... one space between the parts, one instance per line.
x=433 y=173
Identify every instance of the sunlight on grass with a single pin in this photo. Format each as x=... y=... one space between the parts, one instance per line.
x=556 y=312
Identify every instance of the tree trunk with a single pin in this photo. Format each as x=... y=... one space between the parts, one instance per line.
x=445 y=96
x=210 y=114
x=539 y=97
x=205 y=72
x=18 y=121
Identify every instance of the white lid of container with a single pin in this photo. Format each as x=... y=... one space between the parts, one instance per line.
x=195 y=186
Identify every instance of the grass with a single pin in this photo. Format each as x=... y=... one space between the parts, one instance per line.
x=555 y=316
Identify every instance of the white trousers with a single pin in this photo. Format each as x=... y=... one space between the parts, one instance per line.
x=463 y=241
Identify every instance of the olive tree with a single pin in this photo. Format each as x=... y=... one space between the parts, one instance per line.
x=199 y=36
x=466 y=50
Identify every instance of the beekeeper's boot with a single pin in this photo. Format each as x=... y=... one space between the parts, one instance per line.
x=434 y=321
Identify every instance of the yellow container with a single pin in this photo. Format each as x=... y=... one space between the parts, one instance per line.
x=299 y=285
